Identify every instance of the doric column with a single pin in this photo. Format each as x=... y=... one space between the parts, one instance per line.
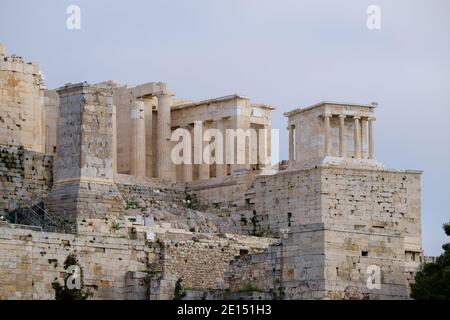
x=204 y=166
x=342 y=142
x=357 y=137
x=188 y=167
x=371 y=139
x=109 y=102
x=297 y=142
x=148 y=115
x=164 y=132
x=138 y=139
x=264 y=145
x=291 y=145
x=327 y=135
x=221 y=167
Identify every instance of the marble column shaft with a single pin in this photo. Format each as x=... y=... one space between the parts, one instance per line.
x=148 y=115
x=291 y=145
x=138 y=139
x=188 y=174
x=327 y=135
x=221 y=167
x=342 y=141
x=204 y=166
x=371 y=139
x=164 y=132
x=357 y=137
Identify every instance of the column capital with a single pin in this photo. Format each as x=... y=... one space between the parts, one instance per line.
x=371 y=118
x=163 y=93
x=342 y=116
x=357 y=117
x=162 y=89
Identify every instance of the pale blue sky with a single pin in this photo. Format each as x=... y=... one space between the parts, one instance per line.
x=285 y=53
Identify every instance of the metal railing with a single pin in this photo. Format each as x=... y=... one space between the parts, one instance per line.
x=36 y=215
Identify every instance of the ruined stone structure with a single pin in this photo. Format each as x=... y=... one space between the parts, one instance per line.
x=22 y=114
x=87 y=169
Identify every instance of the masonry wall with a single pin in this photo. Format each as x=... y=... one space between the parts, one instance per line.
x=203 y=261
x=339 y=222
x=31 y=261
x=51 y=112
x=303 y=262
x=372 y=218
x=229 y=198
x=25 y=177
x=22 y=120
x=84 y=164
x=377 y=200
x=119 y=268
x=287 y=199
x=198 y=265
x=350 y=257
x=257 y=272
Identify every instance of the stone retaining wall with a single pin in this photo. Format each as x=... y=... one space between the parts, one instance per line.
x=25 y=176
x=31 y=261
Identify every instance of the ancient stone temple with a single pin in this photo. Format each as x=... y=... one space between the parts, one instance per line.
x=89 y=170
x=331 y=132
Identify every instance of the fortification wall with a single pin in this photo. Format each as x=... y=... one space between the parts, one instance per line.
x=31 y=261
x=120 y=268
x=286 y=199
x=25 y=177
x=373 y=219
x=337 y=222
x=373 y=200
x=51 y=107
x=22 y=121
x=202 y=261
x=352 y=256
x=341 y=221
x=258 y=272
x=230 y=199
